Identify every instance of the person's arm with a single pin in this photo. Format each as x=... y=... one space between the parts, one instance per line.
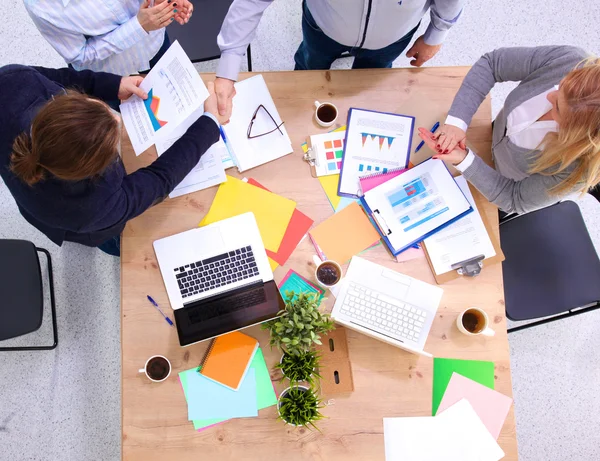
x=237 y=31
x=152 y=184
x=444 y=14
x=507 y=194
x=102 y=85
x=502 y=65
x=89 y=53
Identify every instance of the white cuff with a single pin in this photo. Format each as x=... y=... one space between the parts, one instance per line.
x=467 y=162
x=433 y=36
x=229 y=65
x=455 y=121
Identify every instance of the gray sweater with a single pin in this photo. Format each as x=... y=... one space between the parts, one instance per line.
x=510 y=186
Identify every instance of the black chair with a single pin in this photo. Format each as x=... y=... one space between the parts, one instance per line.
x=551 y=266
x=21 y=292
x=198 y=38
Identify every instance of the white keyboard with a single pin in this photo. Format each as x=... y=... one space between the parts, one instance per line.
x=383 y=313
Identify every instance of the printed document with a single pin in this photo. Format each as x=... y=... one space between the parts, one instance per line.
x=463 y=239
x=175 y=90
x=376 y=142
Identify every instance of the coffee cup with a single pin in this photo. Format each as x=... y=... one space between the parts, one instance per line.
x=473 y=322
x=328 y=273
x=325 y=113
x=157 y=368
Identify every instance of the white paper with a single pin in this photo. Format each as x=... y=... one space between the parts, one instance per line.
x=376 y=142
x=249 y=153
x=461 y=240
x=455 y=435
x=328 y=150
x=175 y=90
x=416 y=202
x=207 y=173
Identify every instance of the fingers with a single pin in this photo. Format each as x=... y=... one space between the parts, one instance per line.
x=428 y=138
x=222 y=101
x=210 y=86
x=161 y=7
x=411 y=52
x=134 y=89
x=166 y=13
x=463 y=144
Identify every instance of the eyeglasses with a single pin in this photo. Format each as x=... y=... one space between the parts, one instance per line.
x=277 y=127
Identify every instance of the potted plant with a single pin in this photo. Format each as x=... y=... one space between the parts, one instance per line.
x=299 y=406
x=300 y=367
x=300 y=324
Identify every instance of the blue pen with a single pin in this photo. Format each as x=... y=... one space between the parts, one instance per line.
x=435 y=127
x=169 y=321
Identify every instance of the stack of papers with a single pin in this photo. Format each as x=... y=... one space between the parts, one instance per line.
x=210 y=403
x=293 y=281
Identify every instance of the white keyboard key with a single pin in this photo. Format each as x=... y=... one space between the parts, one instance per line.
x=421 y=319
x=418 y=324
x=411 y=321
x=390 y=300
x=352 y=293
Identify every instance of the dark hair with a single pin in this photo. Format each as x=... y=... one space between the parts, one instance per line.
x=72 y=137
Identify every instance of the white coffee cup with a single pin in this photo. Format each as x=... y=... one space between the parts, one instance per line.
x=321 y=108
x=319 y=263
x=147 y=373
x=475 y=323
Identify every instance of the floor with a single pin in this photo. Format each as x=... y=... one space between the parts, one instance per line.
x=65 y=405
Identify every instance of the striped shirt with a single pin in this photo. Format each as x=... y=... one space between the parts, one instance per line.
x=100 y=35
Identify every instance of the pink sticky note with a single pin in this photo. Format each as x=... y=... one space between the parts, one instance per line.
x=491 y=406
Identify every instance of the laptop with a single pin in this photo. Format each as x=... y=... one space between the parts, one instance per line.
x=218 y=278
x=387 y=305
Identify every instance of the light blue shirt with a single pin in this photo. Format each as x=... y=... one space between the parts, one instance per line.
x=100 y=35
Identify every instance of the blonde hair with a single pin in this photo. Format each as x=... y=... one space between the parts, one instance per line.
x=577 y=141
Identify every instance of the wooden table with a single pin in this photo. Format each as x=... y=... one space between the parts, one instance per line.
x=388 y=381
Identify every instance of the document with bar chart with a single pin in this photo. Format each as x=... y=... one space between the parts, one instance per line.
x=375 y=143
x=175 y=92
x=416 y=204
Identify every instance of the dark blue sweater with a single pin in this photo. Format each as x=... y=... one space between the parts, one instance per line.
x=93 y=210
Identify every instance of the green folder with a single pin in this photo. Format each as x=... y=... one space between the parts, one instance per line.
x=265 y=393
x=481 y=372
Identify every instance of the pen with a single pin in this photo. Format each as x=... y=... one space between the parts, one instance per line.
x=435 y=127
x=169 y=321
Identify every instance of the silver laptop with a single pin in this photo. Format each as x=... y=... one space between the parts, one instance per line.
x=387 y=305
x=218 y=278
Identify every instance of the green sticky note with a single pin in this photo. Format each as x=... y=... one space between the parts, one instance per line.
x=298 y=284
x=479 y=371
x=265 y=393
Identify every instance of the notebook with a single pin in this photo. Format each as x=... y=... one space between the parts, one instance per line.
x=228 y=358
x=375 y=143
x=415 y=204
x=371 y=181
x=344 y=234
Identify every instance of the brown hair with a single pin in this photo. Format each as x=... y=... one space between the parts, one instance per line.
x=72 y=137
x=577 y=141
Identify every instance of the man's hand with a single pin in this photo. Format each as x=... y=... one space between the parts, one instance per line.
x=211 y=105
x=225 y=93
x=129 y=86
x=184 y=10
x=422 y=52
x=158 y=16
x=455 y=156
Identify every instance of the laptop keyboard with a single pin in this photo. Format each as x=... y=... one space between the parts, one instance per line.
x=383 y=313
x=224 y=269
x=227 y=305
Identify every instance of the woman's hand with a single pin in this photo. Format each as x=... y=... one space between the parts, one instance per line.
x=211 y=104
x=130 y=86
x=448 y=138
x=158 y=16
x=455 y=156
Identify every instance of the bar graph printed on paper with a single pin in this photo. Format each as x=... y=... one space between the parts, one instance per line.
x=416 y=202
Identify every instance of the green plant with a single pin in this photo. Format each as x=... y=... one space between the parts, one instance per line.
x=300 y=406
x=300 y=324
x=300 y=368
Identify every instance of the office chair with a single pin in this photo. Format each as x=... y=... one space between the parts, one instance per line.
x=21 y=292
x=198 y=38
x=551 y=267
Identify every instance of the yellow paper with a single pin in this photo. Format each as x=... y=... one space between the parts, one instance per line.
x=344 y=234
x=273 y=264
x=272 y=212
x=330 y=186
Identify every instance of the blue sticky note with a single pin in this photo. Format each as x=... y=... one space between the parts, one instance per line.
x=298 y=284
x=208 y=399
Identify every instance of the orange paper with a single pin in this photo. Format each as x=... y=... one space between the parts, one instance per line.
x=344 y=234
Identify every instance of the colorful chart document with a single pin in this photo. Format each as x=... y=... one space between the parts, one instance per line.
x=175 y=91
x=328 y=150
x=375 y=142
x=416 y=204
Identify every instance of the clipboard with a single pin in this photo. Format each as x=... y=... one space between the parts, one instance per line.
x=310 y=157
x=480 y=201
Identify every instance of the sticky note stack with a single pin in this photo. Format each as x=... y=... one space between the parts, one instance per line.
x=211 y=403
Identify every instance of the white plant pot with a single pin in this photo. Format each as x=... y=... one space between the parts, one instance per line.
x=281 y=361
x=279 y=403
